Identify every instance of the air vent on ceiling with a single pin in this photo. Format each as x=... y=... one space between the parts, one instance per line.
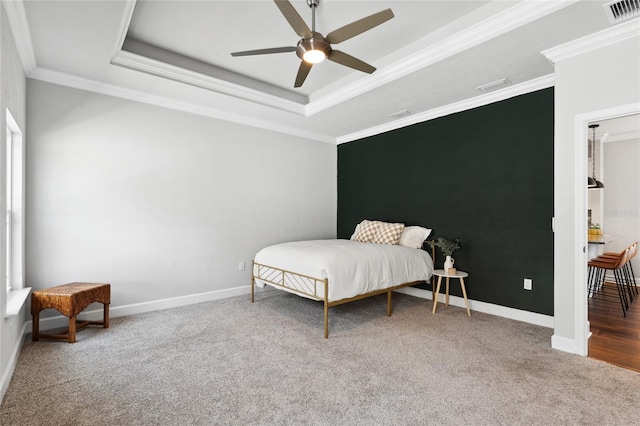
x=494 y=85
x=400 y=114
x=622 y=10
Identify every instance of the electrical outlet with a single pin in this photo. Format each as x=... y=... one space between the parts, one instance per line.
x=240 y=266
x=528 y=284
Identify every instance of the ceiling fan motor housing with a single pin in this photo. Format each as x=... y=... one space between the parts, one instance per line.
x=316 y=42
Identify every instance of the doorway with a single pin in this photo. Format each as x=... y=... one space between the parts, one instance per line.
x=614 y=207
x=580 y=291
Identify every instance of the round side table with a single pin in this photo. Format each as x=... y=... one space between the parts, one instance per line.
x=461 y=275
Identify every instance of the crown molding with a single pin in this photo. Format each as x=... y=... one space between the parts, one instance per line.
x=623 y=136
x=130 y=6
x=151 y=66
x=499 y=24
x=69 y=80
x=593 y=41
x=19 y=25
x=516 y=16
x=489 y=98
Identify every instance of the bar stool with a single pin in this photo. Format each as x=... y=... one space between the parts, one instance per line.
x=627 y=269
x=597 y=271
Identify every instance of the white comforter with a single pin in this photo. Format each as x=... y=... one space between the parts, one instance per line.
x=352 y=267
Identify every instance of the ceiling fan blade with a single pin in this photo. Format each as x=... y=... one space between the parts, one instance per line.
x=358 y=27
x=293 y=17
x=349 y=61
x=265 y=51
x=303 y=71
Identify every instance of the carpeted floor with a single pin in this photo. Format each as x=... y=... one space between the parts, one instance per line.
x=230 y=362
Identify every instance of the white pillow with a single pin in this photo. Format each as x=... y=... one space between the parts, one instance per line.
x=414 y=236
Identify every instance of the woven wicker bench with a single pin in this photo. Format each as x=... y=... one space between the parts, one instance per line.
x=70 y=299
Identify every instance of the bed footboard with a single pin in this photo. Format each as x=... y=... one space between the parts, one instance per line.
x=308 y=286
x=300 y=284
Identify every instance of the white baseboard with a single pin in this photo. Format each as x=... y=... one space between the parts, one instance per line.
x=487 y=308
x=11 y=365
x=156 y=305
x=564 y=344
x=60 y=321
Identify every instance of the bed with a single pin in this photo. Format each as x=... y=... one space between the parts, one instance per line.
x=340 y=271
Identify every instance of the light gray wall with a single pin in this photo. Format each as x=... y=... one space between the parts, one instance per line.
x=598 y=80
x=12 y=96
x=622 y=194
x=159 y=203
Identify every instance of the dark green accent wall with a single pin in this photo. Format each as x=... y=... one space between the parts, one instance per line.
x=484 y=175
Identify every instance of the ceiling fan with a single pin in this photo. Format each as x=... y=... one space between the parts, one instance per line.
x=314 y=47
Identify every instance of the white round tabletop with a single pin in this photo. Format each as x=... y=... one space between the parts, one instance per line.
x=443 y=273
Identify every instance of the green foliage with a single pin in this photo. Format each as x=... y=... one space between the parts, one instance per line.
x=447 y=246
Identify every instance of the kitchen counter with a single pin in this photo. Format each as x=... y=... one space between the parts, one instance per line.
x=602 y=239
x=597 y=243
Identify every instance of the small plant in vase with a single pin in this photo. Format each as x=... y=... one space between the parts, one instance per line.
x=447 y=247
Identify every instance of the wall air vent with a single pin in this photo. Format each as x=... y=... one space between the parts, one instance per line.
x=621 y=10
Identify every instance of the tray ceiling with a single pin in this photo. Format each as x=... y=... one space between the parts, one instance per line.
x=431 y=56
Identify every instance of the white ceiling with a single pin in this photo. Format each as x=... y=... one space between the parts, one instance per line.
x=430 y=57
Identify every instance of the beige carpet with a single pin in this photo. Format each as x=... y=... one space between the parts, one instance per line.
x=230 y=362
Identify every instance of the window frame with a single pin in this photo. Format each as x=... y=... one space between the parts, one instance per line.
x=13 y=242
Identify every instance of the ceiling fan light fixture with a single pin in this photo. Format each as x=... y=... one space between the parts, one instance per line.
x=313 y=47
x=314 y=56
x=313 y=50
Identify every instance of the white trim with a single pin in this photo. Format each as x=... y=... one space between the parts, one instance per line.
x=17 y=18
x=156 y=305
x=487 y=308
x=563 y=344
x=486 y=99
x=59 y=321
x=580 y=231
x=11 y=364
x=593 y=41
x=581 y=323
x=70 y=80
x=622 y=136
x=130 y=6
x=151 y=66
x=520 y=14
x=499 y=24
x=15 y=301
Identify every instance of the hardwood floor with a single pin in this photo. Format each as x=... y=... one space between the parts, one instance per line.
x=615 y=338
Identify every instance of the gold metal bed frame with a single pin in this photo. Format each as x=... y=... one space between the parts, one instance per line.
x=308 y=286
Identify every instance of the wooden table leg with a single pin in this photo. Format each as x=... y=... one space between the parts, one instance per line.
x=435 y=295
x=35 y=334
x=447 y=298
x=105 y=316
x=72 y=329
x=464 y=293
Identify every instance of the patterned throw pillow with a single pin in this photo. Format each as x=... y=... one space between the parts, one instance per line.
x=388 y=233
x=365 y=231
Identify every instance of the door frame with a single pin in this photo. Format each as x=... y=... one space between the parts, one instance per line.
x=581 y=122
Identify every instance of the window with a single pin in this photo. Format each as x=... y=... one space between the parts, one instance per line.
x=8 y=268
x=13 y=262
